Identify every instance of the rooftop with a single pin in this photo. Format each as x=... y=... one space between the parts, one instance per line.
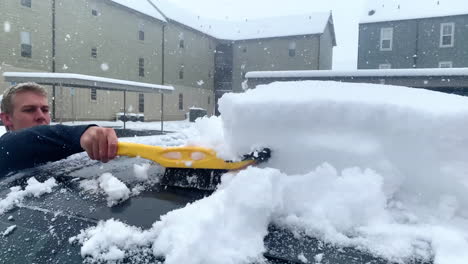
x=391 y=10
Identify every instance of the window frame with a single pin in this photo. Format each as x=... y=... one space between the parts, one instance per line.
x=94 y=52
x=383 y=38
x=93 y=94
x=442 y=35
x=292 y=48
x=449 y=63
x=181 y=72
x=25 y=46
x=141 y=35
x=141 y=102
x=141 y=67
x=181 y=101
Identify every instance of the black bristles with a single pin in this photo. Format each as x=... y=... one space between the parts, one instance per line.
x=203 y=179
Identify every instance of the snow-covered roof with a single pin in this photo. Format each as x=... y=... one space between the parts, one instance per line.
x=81 y=80
x=142 y=6
x=230 y=29
x=391 y=10
x=360 y=73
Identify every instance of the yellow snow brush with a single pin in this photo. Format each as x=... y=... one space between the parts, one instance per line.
x=190 y=166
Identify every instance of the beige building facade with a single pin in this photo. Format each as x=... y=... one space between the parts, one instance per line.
x=106 y=39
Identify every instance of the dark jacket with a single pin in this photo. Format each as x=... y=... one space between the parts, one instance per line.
x=30 y=147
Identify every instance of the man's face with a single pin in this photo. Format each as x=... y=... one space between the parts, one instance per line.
x=29 y=109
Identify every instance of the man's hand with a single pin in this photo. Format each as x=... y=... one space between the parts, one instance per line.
x=100 y=143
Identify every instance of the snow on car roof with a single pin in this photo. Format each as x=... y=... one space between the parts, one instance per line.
x=141 y=6
x=391 y=10
x=377 y=167
x=229 y=29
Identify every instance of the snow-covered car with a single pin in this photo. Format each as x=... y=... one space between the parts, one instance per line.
x=357 y=183
x=43 y=217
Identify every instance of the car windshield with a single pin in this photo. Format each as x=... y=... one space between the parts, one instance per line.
x=302 y=131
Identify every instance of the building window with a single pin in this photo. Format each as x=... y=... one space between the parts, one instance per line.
x=181 y=101
x=445 y=64
x=94 y=52
x=181 y=41
x=141 y=67
x=94 y=12
x=141 y=35
x=209 y=99
x=93 y=94
x=385 y=66
x=292 y=49
x=210 y=74
x=447 y=32
x=244 y=49
x=26 y=47
x=26 y=3
x=141 y=103
x=386 y=39
x=181 y=72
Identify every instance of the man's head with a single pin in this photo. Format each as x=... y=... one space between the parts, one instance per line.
x=25 y=105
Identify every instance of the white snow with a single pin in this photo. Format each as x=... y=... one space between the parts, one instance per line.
x=6 y=26
x=104 y=66
x=115 y=189
x=391 y=10
x=17 y=195
x=381 y=168
x=243 y=29
x=352 y=164
x=360 y=73
x=9 y=230
x=318 y=258
x=302 y=258
x=82 y=77
x=141 y=171
x=143 y=7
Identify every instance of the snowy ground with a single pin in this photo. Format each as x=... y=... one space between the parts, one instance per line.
x=167 y=126
x=377 y=167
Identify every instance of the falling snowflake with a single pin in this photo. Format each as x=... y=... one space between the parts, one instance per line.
x=6 y=26
x=104 y=66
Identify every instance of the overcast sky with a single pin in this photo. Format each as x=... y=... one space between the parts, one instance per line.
x=346 y=15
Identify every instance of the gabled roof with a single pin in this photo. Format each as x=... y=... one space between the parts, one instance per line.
x=391 y=10
x=229 y=29
x=141 y=6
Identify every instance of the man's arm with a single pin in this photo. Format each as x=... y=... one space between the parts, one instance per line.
x=33 y=146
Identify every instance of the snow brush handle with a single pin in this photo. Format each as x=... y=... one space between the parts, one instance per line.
x=180 y=157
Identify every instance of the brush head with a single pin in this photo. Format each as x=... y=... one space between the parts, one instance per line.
x=206 y=179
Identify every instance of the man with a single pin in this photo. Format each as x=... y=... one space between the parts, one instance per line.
x=31 y=141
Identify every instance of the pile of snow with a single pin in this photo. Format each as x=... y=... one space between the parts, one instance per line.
x=17 y=195
x=376 y=167
x=114 y=189
x=9 y=230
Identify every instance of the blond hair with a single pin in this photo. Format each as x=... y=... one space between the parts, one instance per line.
x=7 y=101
